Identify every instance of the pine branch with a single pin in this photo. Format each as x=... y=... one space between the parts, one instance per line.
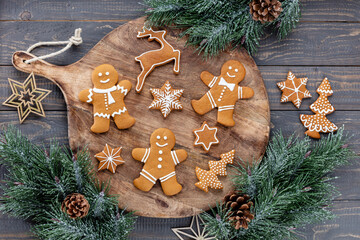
x=39 y=180
x=213 y=26
x=290 y=187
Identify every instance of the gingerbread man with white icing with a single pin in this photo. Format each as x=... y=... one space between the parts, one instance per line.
x=107 y=98
x=224 y=92
x=159 y=162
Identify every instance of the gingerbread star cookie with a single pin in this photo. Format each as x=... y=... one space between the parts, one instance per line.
x=206 y=136
x=166 y=99
x=294 y=89
x=109 y=158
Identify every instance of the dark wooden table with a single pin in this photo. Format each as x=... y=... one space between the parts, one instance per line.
x=325 y=43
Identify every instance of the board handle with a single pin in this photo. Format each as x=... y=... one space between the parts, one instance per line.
x=39 y=67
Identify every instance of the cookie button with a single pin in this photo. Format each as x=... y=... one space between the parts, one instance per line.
x=160 y=159
x=159 y=166
x=160 y=152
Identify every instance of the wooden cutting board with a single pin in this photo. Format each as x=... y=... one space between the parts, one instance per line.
x=249 y=137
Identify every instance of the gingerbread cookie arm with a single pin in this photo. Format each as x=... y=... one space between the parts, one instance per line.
x=86 y=95
x=179 y=156
x=245 y=92
x=141 y=154
x=208 y=78
x=124 y=86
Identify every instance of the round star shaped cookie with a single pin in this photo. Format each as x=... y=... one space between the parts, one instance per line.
x=109 y=158
x=206 y=136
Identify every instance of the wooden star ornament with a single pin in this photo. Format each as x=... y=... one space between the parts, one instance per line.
x=206 y=136
x=109 y=158
x=197 y=230
x=166 y=99
x=26 y=97
x=294 y=89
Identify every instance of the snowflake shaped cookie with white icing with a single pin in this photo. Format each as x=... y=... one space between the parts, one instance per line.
x=166 y=99
x=109 y=158
x=294 y=89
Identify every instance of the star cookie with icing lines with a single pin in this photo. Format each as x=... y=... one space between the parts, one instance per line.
x=166 y=99
x=294 y=89
x=109 y=158
x=206 y=136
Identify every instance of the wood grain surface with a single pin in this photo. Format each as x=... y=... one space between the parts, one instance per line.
x=325 y=46
x=248 y=137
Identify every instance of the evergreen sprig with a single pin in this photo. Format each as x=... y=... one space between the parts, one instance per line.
x=290 y=187
x=37 y=182
x=215 y=25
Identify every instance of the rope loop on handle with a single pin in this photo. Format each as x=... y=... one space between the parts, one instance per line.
x=73 y=40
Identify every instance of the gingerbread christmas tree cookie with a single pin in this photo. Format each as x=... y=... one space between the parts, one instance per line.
x=293 y=89
x=206 y=136
x=209 y=178
x=321 y=107
x=166 y=99
x=224 y=92
x=159 y=162
x=109 y=158
x=107 y=98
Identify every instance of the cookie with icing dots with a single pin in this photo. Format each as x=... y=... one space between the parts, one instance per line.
x=159 y=162
x=107 y=97
x=224 y=92
x=208 y=178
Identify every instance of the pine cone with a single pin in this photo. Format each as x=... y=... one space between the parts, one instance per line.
x=239 y=206
x=265 y=10
x=75 y=205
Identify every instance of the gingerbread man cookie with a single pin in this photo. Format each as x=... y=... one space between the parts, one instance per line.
x=224 y=92
x=107 y=99
x=159 y=162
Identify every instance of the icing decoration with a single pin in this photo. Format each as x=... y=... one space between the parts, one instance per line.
x=26 y=97
x=321 y=107
x=107 y=99
x=166 y=99
x=159 y=162
x=209 y=178
x=293 y=89
x=206 y=136
x=151 y=59
x=109 y=158
x=224 y=92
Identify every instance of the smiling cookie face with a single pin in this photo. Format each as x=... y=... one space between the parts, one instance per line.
x=233 y=71
x=163 y=138
x=104 y=76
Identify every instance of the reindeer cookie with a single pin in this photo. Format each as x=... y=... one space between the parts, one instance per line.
x=107 y=99
x=224 y=92
x=159 y=162
x=151 y=59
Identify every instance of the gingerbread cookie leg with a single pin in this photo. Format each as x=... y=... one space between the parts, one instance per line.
x=101 y=124
x=204 y=104
x=145 y=182
x=141 y=77
x=170 y=185
x=225 y=115
x=123 y=120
